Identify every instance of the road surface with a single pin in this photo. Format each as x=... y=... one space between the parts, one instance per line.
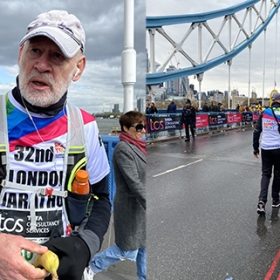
x=202 y=220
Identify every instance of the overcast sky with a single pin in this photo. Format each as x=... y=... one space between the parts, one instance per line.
x=217 y=78
x=100 y=87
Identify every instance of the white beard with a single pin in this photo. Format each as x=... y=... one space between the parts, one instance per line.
x=42 y=98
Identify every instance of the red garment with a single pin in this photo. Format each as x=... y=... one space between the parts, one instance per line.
x=140 y=144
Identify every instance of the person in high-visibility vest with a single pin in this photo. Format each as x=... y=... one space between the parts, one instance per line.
x=40 y=135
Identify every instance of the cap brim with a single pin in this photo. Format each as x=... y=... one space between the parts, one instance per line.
x=276 y=97
x=67 y=45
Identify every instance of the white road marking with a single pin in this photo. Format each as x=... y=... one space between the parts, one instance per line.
x=177 y=168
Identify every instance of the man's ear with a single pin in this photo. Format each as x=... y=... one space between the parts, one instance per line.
x=80 y=69
x=20 y=52
x=77 y=73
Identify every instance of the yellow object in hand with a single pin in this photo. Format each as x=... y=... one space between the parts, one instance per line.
x=50 y=262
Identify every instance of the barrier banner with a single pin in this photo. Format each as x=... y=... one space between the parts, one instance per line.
x=202 y=120
x=217 y=118
x=162 y=122
x=247 y=117
x=234 y=117
x=170 y=122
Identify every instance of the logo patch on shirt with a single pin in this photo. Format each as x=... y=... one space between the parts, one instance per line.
x=59 y=148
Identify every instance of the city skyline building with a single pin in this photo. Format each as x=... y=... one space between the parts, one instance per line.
x=116 y=108
x=140 y=103
x=177 y=87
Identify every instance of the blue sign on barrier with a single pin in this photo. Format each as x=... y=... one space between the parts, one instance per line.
x=162 y=122
x=110 y=143
x=216 y=119
x=247 y=116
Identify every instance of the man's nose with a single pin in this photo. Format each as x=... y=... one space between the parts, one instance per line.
x=43 y=63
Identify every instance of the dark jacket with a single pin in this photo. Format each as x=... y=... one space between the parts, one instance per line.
x=172 y=108
x=153 y=110
x=188 y=115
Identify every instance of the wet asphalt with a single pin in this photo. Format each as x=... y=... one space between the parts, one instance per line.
x=202 y=220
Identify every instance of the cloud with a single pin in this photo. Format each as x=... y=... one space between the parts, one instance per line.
x=101 y=84
x=100 y=87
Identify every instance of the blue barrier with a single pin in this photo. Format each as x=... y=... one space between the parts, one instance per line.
x=109 y=143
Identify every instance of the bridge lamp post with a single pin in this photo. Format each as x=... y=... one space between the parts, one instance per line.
x=199 y=78
x=128 y=57
x=249 y=77
x=229 y=62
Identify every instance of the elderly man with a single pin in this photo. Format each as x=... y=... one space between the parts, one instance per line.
x=43 y=142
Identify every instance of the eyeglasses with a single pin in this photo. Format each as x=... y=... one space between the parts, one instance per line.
x=139 y=127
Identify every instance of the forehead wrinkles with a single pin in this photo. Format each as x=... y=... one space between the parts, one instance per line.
x=45 y=44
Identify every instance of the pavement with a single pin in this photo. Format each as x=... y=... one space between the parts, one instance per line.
x=125 y=270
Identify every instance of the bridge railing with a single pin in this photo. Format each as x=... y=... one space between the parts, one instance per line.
x=166 y=125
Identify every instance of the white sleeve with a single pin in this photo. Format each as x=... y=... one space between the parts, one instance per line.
x=97 y=165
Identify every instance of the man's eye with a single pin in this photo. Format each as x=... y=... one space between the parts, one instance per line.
x=35 y=51
x=57 y=57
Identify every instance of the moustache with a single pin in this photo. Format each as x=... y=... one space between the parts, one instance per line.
x=41 y=77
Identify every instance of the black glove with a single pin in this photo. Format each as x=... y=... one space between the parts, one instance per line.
x=256 y=152
x=73 y=256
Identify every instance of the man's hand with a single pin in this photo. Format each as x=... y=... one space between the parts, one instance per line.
x=12 y=264
x=256 y=153
x=73 y=256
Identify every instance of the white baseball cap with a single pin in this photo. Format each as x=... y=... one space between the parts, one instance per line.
x=276 y=97
x=64 y=29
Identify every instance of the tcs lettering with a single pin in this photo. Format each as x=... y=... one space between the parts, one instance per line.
x=156 y=125
x=10 y=224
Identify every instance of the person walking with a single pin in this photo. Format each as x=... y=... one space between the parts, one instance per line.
x=268 y=126
x=129 y=160
x=188 y=118
x=44 y=140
